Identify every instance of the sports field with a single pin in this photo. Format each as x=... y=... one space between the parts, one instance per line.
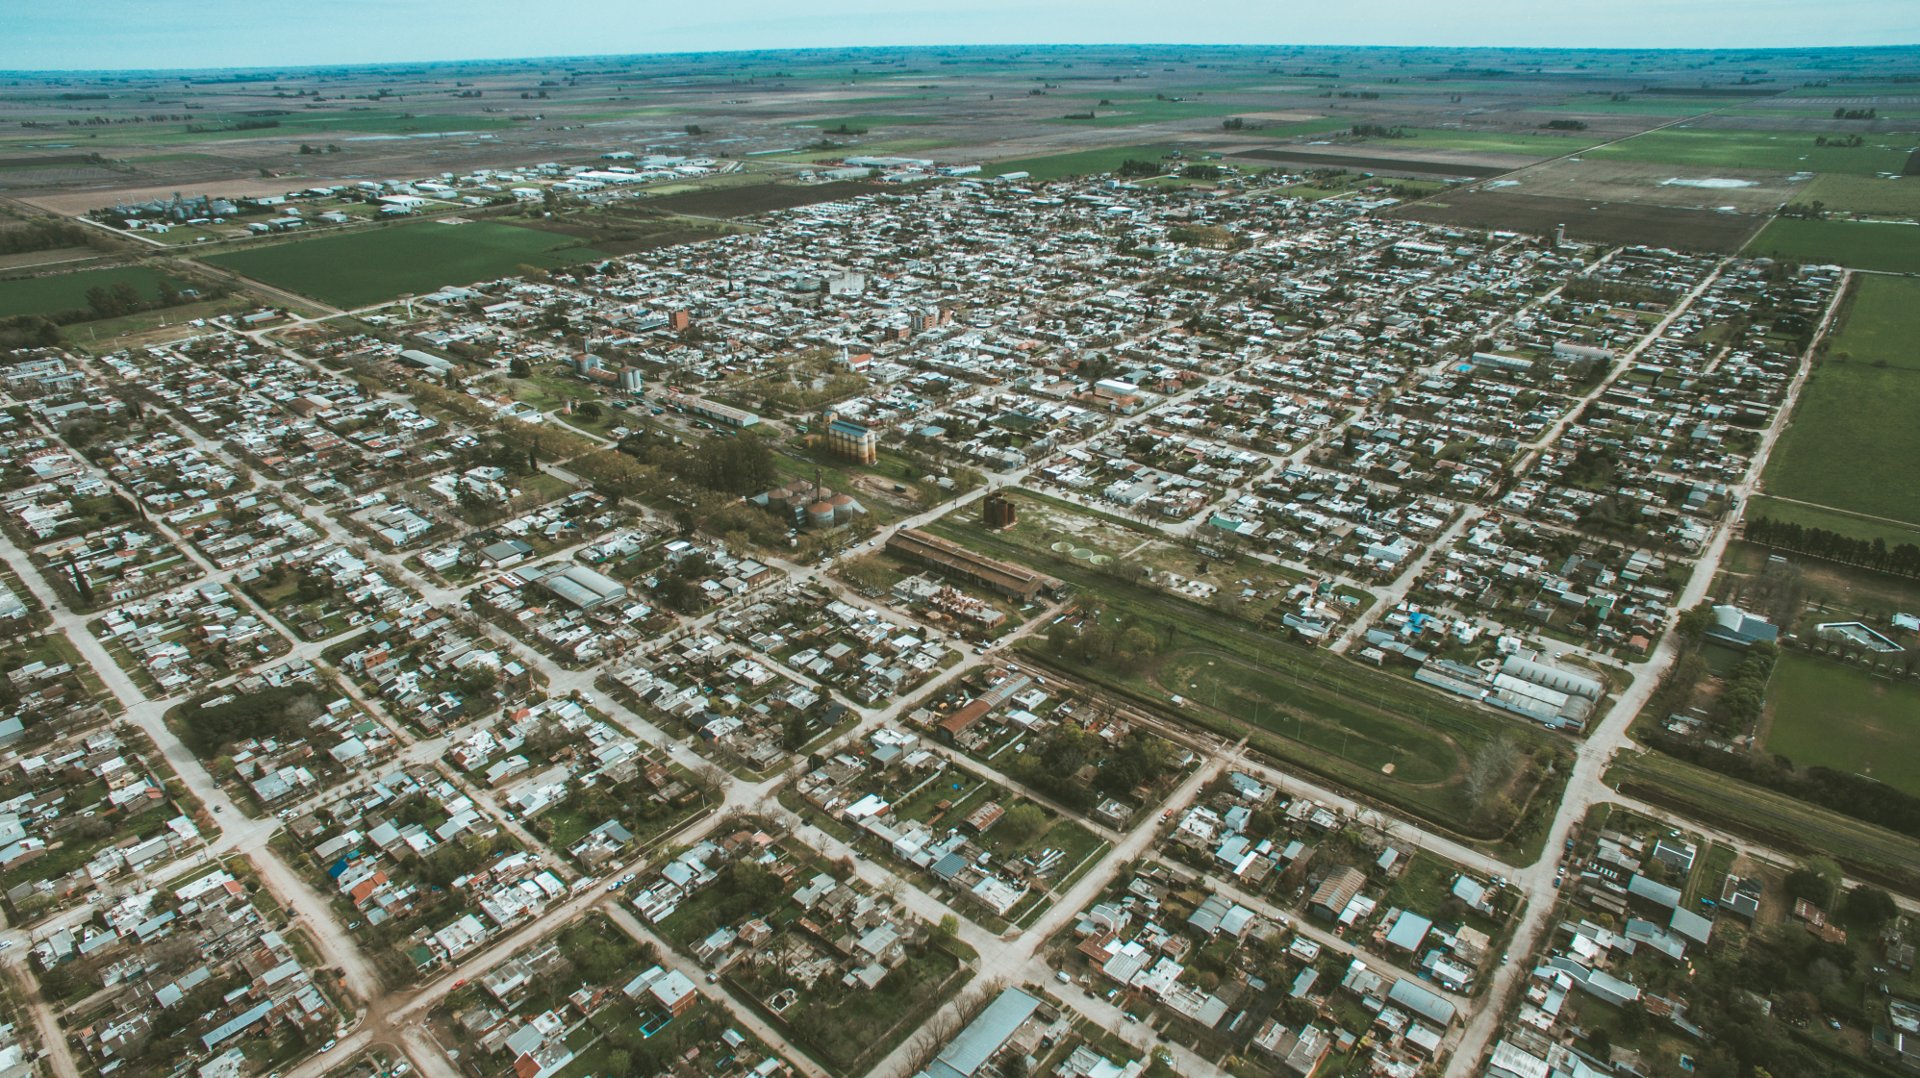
x=1856 y=432
x=1706 y=148
x=1887 y=246
x=1083 y=163
x=1829 y=715
x=68 y=291
x=361 y=268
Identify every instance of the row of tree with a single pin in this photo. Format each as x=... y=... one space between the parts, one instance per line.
x=1853 y=795
x=1903 y=559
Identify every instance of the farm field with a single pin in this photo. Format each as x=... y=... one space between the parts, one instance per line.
x=1822 y=457
x=361 y=268
x=1081 y=163
x=1826 y=714
x=1708 y=148
x=68 y=291
x=1519 y=144
x=1889 y=247
x=1598 y=222
x=1868 y=195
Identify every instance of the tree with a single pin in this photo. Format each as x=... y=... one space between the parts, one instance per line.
x=1866 y=909
x=519 y=368
x=1021 y=823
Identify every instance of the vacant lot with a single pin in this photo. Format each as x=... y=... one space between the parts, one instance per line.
x=759 y=198
x=1609 y=223
x=356 y=269
x=1703 y=147
x=1082 y=163
x=1890 y=246
x=1854 y=437
x=1829 y=715
x=68 y=291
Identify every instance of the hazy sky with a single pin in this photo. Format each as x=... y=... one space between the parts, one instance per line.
x=92 y=34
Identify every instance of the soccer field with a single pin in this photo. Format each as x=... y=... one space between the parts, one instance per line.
x=1829 y=715
x=356 y=269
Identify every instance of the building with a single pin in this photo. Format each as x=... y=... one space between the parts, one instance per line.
x=854 y=441
x=968 y=1053
x=1013 y=581
x=583 y=587
x=718 y=413
x=1334 y=892
x=1735 y=627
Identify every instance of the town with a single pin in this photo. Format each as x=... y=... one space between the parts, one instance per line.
x=1184 y=617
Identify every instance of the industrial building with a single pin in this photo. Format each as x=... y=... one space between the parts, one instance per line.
x=583 y=587
x=853 y=441
x=1013 y=581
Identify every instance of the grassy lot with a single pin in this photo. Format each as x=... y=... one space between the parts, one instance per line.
x=68 y=291
x=1083 y=163
x=1872 y=853
x=1831 y=715
x=1822 y=456
x=1702 y=147
x=866 y=123
x=1871 y=195
x=356 y=269
x=1872 y=245
x=1833 y=520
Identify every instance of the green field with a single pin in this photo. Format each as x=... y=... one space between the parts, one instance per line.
x=1829 y=715
x=867 y=123
x=361 y=268
x=1809 y=516
x=1519 y=144
x=1856 y=431
x=68 y=291
x=1701 y=147
x=1083 y=163
x=1131 y=111
x=1890 y=247
x=1873 y=196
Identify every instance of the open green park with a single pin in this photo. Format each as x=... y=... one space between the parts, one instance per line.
x=1478 y=775
x=357 y=269
x=62 y=292
x=1887 y=246
x=1828 y=714
x=1853 y=436
x=1771 y=151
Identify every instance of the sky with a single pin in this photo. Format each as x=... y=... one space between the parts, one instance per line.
x=137 y=34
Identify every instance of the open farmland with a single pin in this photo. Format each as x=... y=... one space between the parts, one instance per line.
x=1853 y=437
x=61 y=292
x=1421 y=166
x=1610 y=223
x=361 y=268
x=1825 y=714
x=1891 y=247
x=1869 y=196
x=1788 y=151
